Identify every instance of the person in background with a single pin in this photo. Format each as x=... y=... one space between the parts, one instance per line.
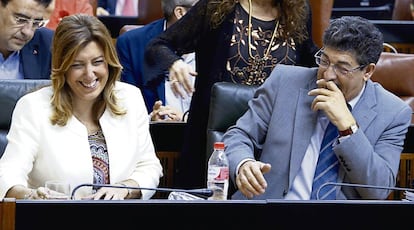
x=87 y=127
x=412 y=9
x=62 y=8
x=131 y=46
x=278 y=157
x=403 y=10
x=226 y=49
x=24 y=44
x=117 y=7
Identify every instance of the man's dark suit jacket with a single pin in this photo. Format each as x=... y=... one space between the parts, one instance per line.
x=130 y=47
x=36 y=55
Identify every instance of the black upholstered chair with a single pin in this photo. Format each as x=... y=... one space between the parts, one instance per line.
x=228 y=102
x=10 y=92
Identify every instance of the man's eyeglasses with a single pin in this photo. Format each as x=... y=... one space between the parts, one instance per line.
x=324 y=62
x=22 y=21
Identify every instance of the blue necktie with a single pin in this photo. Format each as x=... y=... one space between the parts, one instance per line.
x=327 y=167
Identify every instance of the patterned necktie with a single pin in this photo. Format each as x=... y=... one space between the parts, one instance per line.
x=128 y=9
x=327 y=167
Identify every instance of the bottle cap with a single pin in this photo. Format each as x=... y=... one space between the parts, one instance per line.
x=219 y=145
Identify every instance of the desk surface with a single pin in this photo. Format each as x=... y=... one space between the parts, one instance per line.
x=201 y=214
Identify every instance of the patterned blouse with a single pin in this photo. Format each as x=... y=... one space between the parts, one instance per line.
x=100 y=158
x=253 y=70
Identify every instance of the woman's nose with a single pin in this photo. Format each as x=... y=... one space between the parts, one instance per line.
x=90 y=70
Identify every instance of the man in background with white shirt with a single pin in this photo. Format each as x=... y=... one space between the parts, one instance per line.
x=131 y=46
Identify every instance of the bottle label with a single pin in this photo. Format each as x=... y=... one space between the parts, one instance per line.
x=218 y=173
x=218 y=182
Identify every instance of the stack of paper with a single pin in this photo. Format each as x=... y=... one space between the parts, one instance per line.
x=409 y=196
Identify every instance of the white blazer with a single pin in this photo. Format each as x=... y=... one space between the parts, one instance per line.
x=38 y=151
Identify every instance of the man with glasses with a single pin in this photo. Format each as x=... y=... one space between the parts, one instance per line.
x=277 y=155
x=24 y=44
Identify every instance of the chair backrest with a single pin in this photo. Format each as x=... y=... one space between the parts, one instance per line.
x=228 y=102
x=149 y=10
x=395 y=72
x=10 y=92
x=402 y=10
x=321 y=15
x=126 y=28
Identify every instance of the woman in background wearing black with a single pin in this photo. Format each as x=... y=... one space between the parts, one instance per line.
x=227 y=49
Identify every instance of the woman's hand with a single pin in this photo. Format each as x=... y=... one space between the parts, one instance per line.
x=106 y=193
x=115 y=193
x=178 y=76
x=41 y=193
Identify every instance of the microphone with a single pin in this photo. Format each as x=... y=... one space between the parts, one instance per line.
x=204 y=192
x=361 y=186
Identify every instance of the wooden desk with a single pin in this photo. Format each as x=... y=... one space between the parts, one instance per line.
x=232 y=214
x=7 y=214
x=167 y=138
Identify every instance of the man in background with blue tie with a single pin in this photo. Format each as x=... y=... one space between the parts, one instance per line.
x=316 y=126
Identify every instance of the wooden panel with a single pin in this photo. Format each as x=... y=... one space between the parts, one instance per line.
x=405 y=175
x=7 y=214
x=169 y=164
x=321 y=14
x=402 y=10
x=167 y=138
x=407 y=48
x=149 y=11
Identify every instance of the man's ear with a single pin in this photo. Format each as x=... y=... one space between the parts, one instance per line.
x=179 y=11
x=369 y=70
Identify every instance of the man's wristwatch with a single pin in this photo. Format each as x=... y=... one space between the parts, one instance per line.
x=349 y=131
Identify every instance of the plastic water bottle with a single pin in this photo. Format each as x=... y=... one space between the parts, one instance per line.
x=218 y=173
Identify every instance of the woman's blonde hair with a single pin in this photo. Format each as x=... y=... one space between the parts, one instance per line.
x=294 y=16
x=73 y=33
